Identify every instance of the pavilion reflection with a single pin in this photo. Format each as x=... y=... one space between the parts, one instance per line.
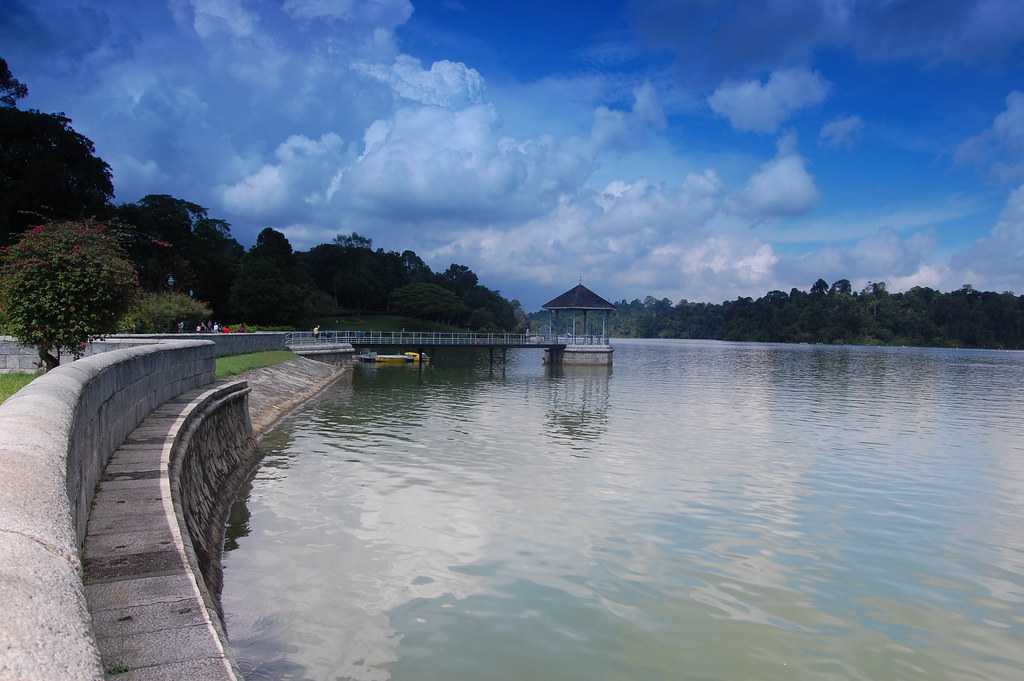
x=577 y=401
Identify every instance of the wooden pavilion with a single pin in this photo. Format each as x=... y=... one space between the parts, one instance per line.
x=580 y=299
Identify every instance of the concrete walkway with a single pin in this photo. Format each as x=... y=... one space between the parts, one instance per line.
x=147 y=608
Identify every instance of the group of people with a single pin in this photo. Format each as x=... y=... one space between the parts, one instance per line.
x=214 y=327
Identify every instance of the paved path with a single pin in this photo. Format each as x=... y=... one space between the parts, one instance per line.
x=147 y=608
x=146 y=605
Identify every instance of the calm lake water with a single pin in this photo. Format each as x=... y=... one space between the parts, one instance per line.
x=703 y=510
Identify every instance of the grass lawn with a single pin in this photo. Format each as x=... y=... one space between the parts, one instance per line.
x=380 y=322
x=12 y=383
x=237 y=364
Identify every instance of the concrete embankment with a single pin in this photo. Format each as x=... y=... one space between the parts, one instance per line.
x=148 y=539
x=279 y=389
x=20 y=358
x=56 y=437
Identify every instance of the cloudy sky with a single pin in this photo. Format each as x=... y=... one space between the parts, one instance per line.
x=698 y=150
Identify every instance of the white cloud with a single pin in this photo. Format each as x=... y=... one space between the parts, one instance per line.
x=762 y=107
x=782 y=186
x=849 y=226
x=454 y=164
x=997 y=260
x=521 y=209
x=932 y=275
x=216 y=16
x=640 y=237
x=447 y=84
x=1001 y=147
x=389 y=13
x=616 y=128
x=1008 y=126
x=302 y=164
x=900 y=260
x=429 y=163
x=143 y=177
x=841 y=132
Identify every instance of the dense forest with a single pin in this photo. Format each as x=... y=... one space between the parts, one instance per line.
x=50 y=172
x=835 y=314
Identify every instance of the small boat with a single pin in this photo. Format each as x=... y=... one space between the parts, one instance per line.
x=374 y=358
x=405 y=358
x=415 y=357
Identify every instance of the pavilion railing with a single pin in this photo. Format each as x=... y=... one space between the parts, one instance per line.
x=431 y=338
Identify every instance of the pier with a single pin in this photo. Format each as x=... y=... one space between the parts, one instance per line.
x=572 y=348
x=557 y=348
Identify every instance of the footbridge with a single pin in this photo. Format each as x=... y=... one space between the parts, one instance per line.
x=431 y=339
x=556 y=347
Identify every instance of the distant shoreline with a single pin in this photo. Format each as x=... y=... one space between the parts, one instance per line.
x=827 y=345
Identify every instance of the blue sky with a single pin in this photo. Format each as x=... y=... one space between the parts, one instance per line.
x=698 y=150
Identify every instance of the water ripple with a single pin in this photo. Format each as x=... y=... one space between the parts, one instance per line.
x=701 y=511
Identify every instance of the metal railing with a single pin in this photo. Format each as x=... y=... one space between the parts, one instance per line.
x=431 y=338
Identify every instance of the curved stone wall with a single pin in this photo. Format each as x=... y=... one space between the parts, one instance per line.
x=15 y=357
x=56 y=435
x=227 y=343
x=212 y=458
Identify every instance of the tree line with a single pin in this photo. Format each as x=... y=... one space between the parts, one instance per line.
x=836 y=314
x=188 y=262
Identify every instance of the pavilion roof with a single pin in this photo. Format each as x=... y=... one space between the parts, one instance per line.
x=579 y=297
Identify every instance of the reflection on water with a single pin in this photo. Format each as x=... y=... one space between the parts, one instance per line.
x=577 y=402
x=704 y=511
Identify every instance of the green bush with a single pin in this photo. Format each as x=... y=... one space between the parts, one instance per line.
x=64 y=284
x=161 y=312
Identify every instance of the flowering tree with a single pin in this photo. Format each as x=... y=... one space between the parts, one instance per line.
x=64 y=284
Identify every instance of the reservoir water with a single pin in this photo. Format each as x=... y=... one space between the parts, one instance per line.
x=701 y=511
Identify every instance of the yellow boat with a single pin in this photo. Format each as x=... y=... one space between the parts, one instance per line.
x=416 y=357
x=374 y=358
x=392 y=359
x=405 y=358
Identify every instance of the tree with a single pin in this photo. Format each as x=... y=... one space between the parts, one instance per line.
x=172 y=236
x=11 y=89
x=354 y=240
x=841 y=287
x=427 y=301
x=416 y=271
x=263 y=294
x=157 y=234
x=215 y=257
x=274 y=246
x=819 y=288
x=458 y=278
x=64 y=284
x=47 y=172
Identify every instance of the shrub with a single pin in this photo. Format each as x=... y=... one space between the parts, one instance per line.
x=161 y=312
x=64 y=284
